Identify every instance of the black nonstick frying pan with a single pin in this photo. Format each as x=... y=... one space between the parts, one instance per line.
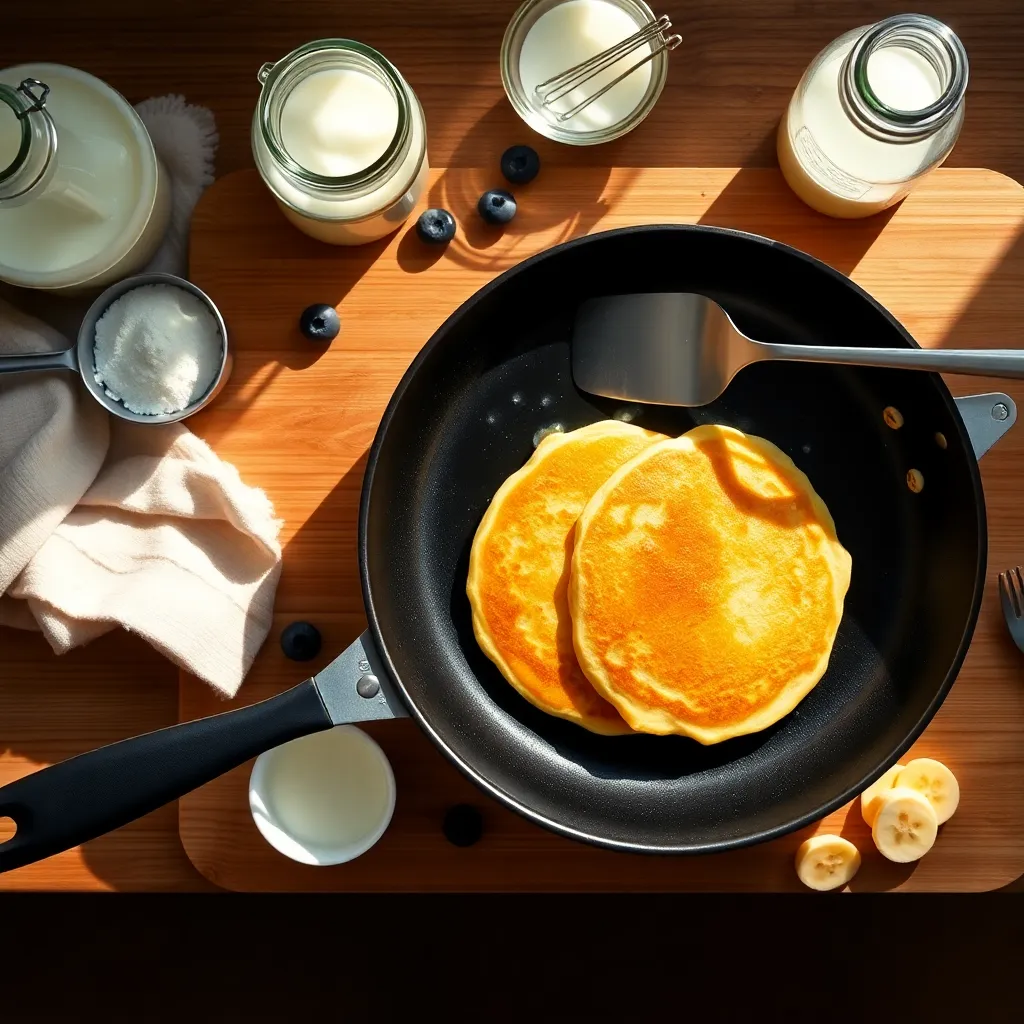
x=464 y=417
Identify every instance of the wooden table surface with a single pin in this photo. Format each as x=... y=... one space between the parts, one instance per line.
x=727 y=86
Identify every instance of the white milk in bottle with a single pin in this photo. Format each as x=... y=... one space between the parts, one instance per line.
x=83 y=199
x=875 y=111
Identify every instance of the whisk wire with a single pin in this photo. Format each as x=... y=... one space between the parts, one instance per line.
x=560 y=85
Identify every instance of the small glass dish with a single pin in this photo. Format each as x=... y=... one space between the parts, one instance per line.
x=323 y=799
x=545 y=121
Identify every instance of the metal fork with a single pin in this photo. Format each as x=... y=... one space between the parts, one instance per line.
x=1011 y=593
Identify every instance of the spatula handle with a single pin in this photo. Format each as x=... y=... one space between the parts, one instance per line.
x=981 y=362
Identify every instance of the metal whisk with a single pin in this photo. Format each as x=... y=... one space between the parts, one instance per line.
x=556 y=87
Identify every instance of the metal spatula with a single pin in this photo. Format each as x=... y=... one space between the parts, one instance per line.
x=679 y=348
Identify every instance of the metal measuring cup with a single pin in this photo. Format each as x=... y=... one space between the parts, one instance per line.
x=80 y=358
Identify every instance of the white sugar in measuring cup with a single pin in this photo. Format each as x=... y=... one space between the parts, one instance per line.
x=80 y=359
x=325 y=798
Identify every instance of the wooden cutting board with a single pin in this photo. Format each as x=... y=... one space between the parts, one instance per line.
x=297 y=420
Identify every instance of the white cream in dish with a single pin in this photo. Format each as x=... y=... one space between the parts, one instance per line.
x=572 y=33
x=325 y=798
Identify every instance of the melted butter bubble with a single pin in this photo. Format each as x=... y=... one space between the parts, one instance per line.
x=554 y=428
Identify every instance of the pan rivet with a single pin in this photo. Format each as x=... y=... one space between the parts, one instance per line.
x=940 y=440
x=368 y=685
x=893 y=417
x=999 y=411
x=915 y=480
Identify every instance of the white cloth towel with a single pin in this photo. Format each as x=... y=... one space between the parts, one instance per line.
x=106 y=523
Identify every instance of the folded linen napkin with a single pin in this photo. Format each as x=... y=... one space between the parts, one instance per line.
x=106 y=523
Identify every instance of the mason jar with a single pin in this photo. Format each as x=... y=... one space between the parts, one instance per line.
x=340 y=140
x=875 y=111
x=83 y=198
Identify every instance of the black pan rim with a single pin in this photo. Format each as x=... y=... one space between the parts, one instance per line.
x=507 y=799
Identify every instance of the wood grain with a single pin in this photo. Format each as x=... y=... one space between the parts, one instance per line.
x=726 y=89
x=727 y=85
x=297 y=421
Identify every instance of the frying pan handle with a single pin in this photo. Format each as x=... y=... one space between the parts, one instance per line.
x=66 y=360
x=356 y=686
x=987 y=417
x=81 y=798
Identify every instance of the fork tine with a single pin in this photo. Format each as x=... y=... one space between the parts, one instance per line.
x=1014 y=592
x=1015 y=588
x=1006 y=597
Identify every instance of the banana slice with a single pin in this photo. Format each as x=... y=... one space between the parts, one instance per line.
x=870 y=797
x=905 y=825
x=826 y=862
x=934 y=781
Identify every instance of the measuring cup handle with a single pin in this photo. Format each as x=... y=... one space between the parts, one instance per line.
x=66 y=360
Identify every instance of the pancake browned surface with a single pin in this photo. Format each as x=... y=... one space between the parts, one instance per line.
x=519 y=569
x=707 y=586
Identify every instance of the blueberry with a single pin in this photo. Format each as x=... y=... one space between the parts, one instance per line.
x=520 y=164
x=497 y=206
x=463 y=825
x=320 y=322
x=300 y=641
x=436 y=227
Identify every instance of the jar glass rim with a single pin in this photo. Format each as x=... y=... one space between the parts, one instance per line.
x=511 y=46
x=8 y=97
x=22 y=107
x=938 y=44
x=284 y=74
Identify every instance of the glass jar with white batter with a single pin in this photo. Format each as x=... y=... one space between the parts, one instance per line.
x=340 y=140
x=83 y=197
x=876 y=110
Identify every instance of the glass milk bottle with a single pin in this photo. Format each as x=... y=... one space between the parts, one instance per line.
x=340 y=140
x=876 y=110
x=83 y=198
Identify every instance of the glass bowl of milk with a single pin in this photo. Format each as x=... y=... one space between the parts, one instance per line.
x=323 y=799
x=547 y=37
x=340 y=140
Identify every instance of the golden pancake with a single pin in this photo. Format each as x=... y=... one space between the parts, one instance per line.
x=519 y=569
x=707 y=586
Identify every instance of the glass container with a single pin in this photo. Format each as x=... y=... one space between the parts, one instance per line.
x=344 y=209
x=874 y=112
x=83 y=198
x=579 y=30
